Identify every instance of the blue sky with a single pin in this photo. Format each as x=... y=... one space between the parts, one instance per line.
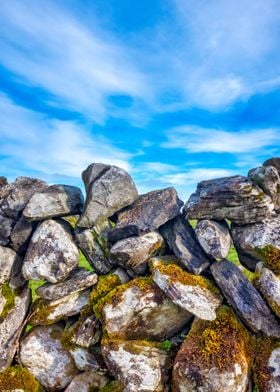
x=174 y=91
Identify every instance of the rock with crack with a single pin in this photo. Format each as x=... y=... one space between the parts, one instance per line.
x=138 y=365
x=245 y=299
x=134 y=252
x=182 y=241
x=214 y=357
x=269 y=285
x=45 y=312
x=235 y=198
x=18 y=379
x=260 y=241
x=214 y=237
x=42 y=353
x=140 y=310
x=54 y=201
x=195 y=294
x=78 y=280
x=109 y=189
x=267 y=366
x=87 y=382
x=6 y=227
x=52 y=253
x=11 y=325
x=268 y=179
x=21 y=235
x=147 y=213
x=10 y=264
x=86 y=332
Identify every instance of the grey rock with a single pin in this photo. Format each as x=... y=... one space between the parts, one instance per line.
x=147 y=213
x=235 y=198
x=86 y=360
x=133 y=252
x=42 y=353
x=259 y=242
x=86 y=332
x=214 y=237
x=6 y=227
x=122 y=274
x=109 y=189
x=10 y=264
x=11 y=328
x=139 y=367
x=3 y=181
x=51 y=254
x=87 y=382
x=54 y=201
x=245 y=299
x=275 y=162
x=78 y=280
x=269 y=285
x=182 y=241
x=21 y=235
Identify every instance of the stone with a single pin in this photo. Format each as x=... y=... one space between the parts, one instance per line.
x=267 y=366
x=86 y=360
x=182 y=241
x=10 y=263
x=11 y=327
x=275 y=162
x=235 y=198
x=52 y=253
x=133 y=252
x=245 y=299
x=21 y=235
x=214 y=357
x=3 y=181
x=18 y=379
x=109 y=189
x=138 y=365
x=261 y=241
x=78 y=280
x=147 y=213
x=54 y=201
x=195 y=294
x=87 y=382
x=269 y=286
x=42 y=353
x=45 y=312
x=6 y=227
x=86 y=332
x=140 y=310
x=214 y=238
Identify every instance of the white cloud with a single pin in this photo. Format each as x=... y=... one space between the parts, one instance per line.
x=193 y=176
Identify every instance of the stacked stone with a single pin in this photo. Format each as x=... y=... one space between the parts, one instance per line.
x=162 y=309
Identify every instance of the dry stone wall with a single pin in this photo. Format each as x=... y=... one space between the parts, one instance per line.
x=161 y=308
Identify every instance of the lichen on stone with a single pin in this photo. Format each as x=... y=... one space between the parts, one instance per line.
x=9 y=294
x=17 y=377
x=270 y=255
x=263 y=372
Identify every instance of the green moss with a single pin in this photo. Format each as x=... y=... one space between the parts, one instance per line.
x=113 y=386
x=40 y=312
x=270 y=256
x=166 y=345
x=17 y=377
x=262 y=372
x=83 y=262
x=9 y=295
x=33 y=285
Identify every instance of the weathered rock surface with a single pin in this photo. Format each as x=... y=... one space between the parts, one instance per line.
x=54 y=201
x=51 y=254
x=78 y=280
x=147 y=213
x=235 y=198
x=10 y=328
x=214 y=238
x=181 y=239
x=269 y=285
x=86 y=331
x=6 y=227
x=138 y=365
x=3 y=181
x=18 y=379
x=194 y=293
x=245 y=299
x=260 y=241
x=214 y=356
x=86 y=360
x=140 y=310
x=42 y=353
x=133 y=252
x=21 y=235
x=275 y=162
x=87 y=382
x=50 y=312
x=109 y=189
x=9 y=264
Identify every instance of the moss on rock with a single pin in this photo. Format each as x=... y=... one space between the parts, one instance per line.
x=9 y=294
x=19 y=378
x=270 y=255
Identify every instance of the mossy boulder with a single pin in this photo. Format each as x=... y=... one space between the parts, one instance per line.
x=87 y=382
x=215 y=356
x=19 y=379
x=269 y=285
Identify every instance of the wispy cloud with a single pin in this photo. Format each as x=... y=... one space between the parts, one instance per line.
x=193 y=176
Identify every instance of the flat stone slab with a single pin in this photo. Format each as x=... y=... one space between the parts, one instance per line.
x=182 y=241
x=109 y=189
x=214 y=238
x=235 y=198
x=52 y=253
x=269 y=285
x=213 y=356
x=245 y=299
x=54 y=201
x=42 y=353
x=9 y=264
x=195 y=294
x=87 y=382
x=140 y=310
x=147 y=213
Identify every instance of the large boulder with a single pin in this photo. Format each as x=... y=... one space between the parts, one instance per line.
x=182 y=241
x=109 y=189
x=269 y=285
x=214 y=357
x=52 y=253
x=245 y=299
x=54 y=201
x=140 y=310
x=195 y=294
x=235 y=198
x=147 y=213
